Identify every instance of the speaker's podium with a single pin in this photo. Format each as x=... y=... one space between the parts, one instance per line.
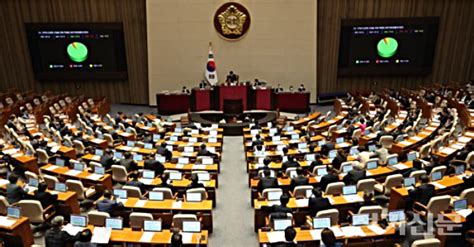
x=233 y=107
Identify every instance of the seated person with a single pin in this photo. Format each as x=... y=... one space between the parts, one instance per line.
x=329 y=239
x=267 y=182
x=290 y=235
x=232 y=78
x=291 y=162
x=135 y=182
x=203 y=151
x=301 y=88
x=300 y=179
x=45 y=198
x=108 y=204
x=85 y=238
x=317 y=202
x=107 y=160
x=282 y=208
x=56 y=237
x=185 y=90
x=422 y=193
x=154 y=165
x=163 y=151
x=355 y=175
x=331 y=177
x=339 y=159
x=417 y=166
x=258 y=141
x=164 y=181
x=316 y=162
x=128 y=162
x=15 y=193
x=176 y=240
x=195 y=182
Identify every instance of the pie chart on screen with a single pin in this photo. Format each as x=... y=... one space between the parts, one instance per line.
x=387 y=47
x=77 y=52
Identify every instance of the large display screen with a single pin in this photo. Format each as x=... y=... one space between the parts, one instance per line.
x=77 y=51
x=387 y=46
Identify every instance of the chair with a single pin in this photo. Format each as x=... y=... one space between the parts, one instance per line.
x=391 y=181
x=441 y=169
x=110 y=141
x=334 y=188
x=3 y=205
x=43 y=157
x=425 y=151
x=34 y=211
x=356 y=134
x=269 y=190
x=119 y=174
x=329 y=213
x=79 y=147
x=417 y=174
x=344 y=164
x=436 y=205
x=97 y=218
x=137 y=219
x=300 y=191
x=469 y=195
x=78 y=187
x=366 y=185
x=201 y=191
x=179 y=218
x=432 y=242
x=50 y=180
x=386 y=141
x=375 y=212
x=94 y=164
x=29 y=175
x=167 y=193
x=389 y=157
x=290 y=170
x=132 y=191
x=316 y=168
x=470 y=159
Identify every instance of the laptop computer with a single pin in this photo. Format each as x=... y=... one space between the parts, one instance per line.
x=14 y=212
x=78 y=220
x=99 y=152
x=274 y=195
x=193 y=197
x=155 y=196
x=371 y=165
x=360 y=219
x=114 y=223
x=349 y=190
x=33 y=182
x=148 y=174
x=191 y=226
x=281 y=224
x=148 y=146
x=408 y=182
x=411 y=156
x=152 y=225
x=204 y=176
x=392 y=161
x=460 y=204
x=175 y=175
x=119 y=193
x=321 y=222
x=396 y=216
x=99 y=170
x=60 y=162
x=61 y=187
x=436 y=176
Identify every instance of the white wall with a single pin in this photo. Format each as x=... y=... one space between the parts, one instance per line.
x=280 y=46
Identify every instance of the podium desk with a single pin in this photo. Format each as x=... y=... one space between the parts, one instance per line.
x=292 y=102
x=201 y=98
x=169 y=104
x=233 y=93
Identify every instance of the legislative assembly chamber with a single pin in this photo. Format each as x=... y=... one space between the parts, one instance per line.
x=271 y=123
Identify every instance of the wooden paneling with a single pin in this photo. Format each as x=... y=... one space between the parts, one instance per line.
x=454 y=58
x=15 y=66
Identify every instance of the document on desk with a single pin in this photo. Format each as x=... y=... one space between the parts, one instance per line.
x=400 y=166
x=458 y=146
x=185 y=154
x=72 y=230
x=464 y=212
x=417 y=138
x=438 y=185
x=147 y=237
x=146 y=181
x=276 y=236
x=122 y=200
x=177 y=205
x=344 y=144
x=353 y=198
x=94 y=176
x=179 y=166
x=140 y=203
x=271 y=203
x=301 y=203
x=330 y=199
x=126 y=148
x=51 y=168
x=337 y=231
x=464 y=139
x=352 y=231
x=447 y=150
x=377 y=229
x=54 y=149
x=316 y=234
x=10 y=151
x=73 y=172
x=405 y=143
x=199 y=167
x=101 y=235
x=5 y=221
x=3 y=182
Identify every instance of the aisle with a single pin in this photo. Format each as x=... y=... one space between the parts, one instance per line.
x=233 y=216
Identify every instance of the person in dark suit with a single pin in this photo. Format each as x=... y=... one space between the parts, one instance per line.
x=267 y=182
x=107 y=160
x=356 y=174
x=135 y=182
x=300 y=179
x=163 y=151
x=232 y=78
x=128 y=162
x=417 y=165
x=291 y=162
x=108 y=204
x=203 y=151
x=56 y=237
x=45 y=198
x=316 y=162
x=329 y=239
x=326 y=148
x=154 y=165
x=331 y=177
x=11 y=123
x=424 y=192
x=185 y=90
x=164 y=181
x=15 y=193
x=258 y=141
x=301 y=88
x=339 y=159
x=282 y=208
x=290 y=235
x=195 y=182
x=317 y=203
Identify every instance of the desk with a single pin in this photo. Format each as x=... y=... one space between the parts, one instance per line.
x=292 y=102
x=233 y=92
x=105 y=180
x=414 y=141
x=263 y=98
x=201 y=99
x=22 y=229
x=305 y=120
x=169 y=104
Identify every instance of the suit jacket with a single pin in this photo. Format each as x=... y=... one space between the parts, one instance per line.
x=204 y=152
x=138 y=184
x=354 y=176
x=154 y=165
x=316 y=204
x=129 y=164
x=281 y=209
x=327 y=179
x=164 y=152
x=107 y=205
x=267 y=182
x=45 y=198
x=337 y=161
x=423 y=193
x=107 y=161
x=15 y=193
x=288 y=164
x=298 y=180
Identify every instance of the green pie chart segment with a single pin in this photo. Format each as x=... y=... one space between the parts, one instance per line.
x=387 y=47
x=77 y=52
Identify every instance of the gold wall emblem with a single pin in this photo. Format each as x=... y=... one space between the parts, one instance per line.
x=232 y=21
